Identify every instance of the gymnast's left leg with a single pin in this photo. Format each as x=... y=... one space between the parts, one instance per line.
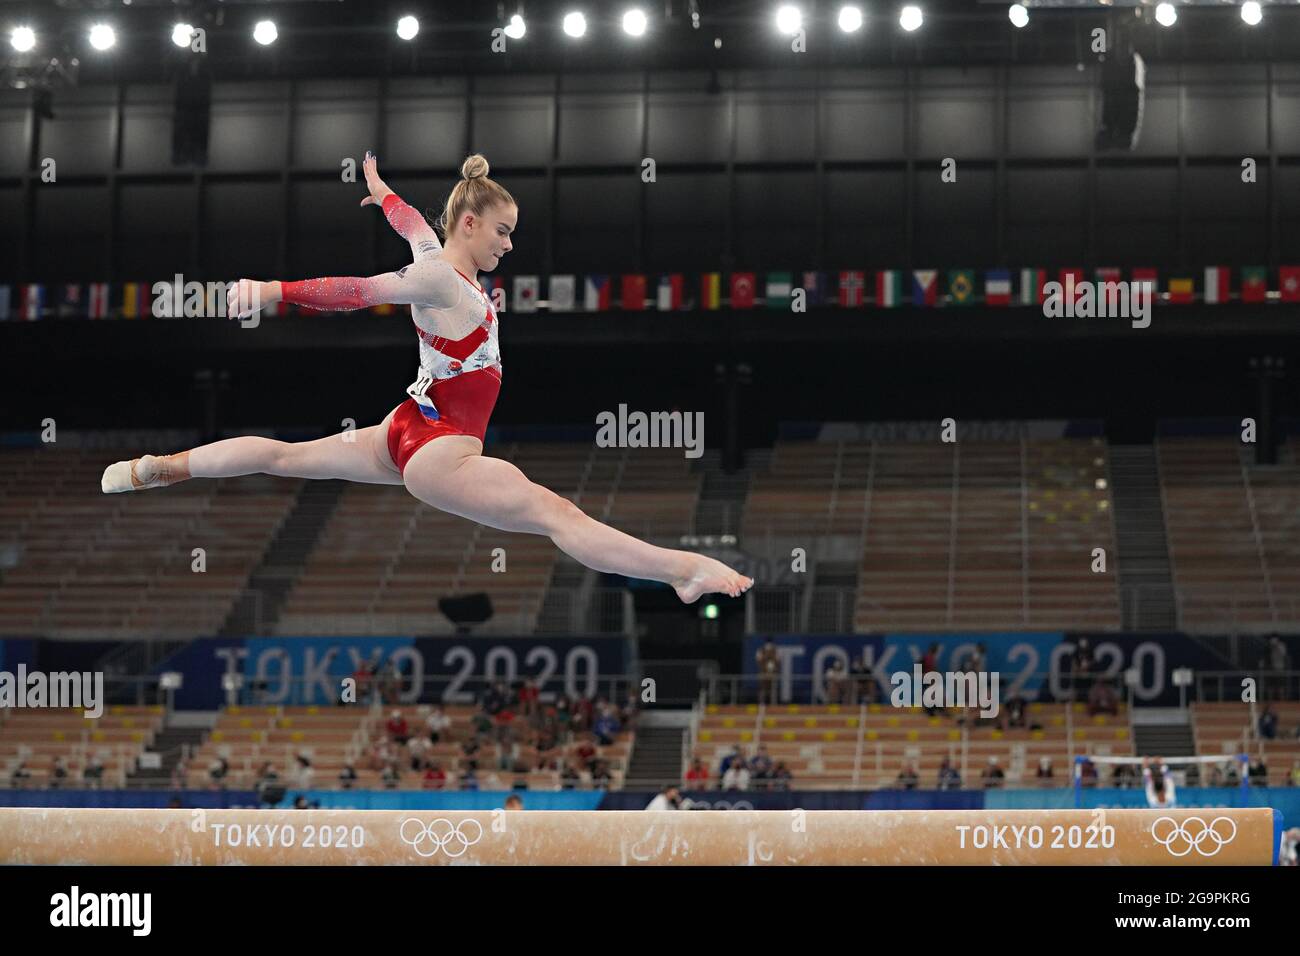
x=451 y=474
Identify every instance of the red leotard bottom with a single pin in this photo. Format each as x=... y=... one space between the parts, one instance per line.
x=464 y=406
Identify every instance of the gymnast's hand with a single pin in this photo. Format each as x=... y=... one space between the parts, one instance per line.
x=247 y=296
x=378 y=188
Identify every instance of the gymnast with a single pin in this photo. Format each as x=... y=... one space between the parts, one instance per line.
x=433 y=442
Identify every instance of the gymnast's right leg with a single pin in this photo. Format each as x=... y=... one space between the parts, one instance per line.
x=362 y=457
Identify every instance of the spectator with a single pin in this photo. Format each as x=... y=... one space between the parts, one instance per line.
x=1289 y=852
x=1016 y=711
x=670 y=798
x=494 y=701
x=1268 y=723
x=59 y=774
x=300 y=803
x=585 y=753
x=992 y=776
x=218 y=769
x=627 y=713
x=1124 y=775
x=1102 y=699
x=737 y=775
x=1082 y=666
x=469 y=779
x=581 y=707
x=390 y=679
x=564 y=720
x=1295 y=773
x=304 y=770
x=434 y=777
x=781 y=776
x=362 y=677
x=908 y=778
x=1258 y=773
x=1045 y=774
x=697 y=778
x=606 y=726
x=267 y=780
x=390 y=776
x=438 y=724
x=836 y=677
x=949 y=778
x=469 y=749
x=418 y=749
x=528 y=701
x=93 y=770
x=548 y=750
x=760 y=767
x=514 y=802
x=600 y=776
x=505 y=726
x=569 y=777
x=398 y=730
x=1087 y=773
x=769 y=666
x=862 y=681
x=727 y=761
x=347 y=776
x=481 y=725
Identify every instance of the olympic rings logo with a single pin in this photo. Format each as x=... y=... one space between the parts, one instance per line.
x=719 y=805
x=1182 y=839
x=428 y=838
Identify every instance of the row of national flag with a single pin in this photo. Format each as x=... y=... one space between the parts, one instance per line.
x=636 y=292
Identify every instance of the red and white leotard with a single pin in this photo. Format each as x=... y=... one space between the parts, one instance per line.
x=460 y=358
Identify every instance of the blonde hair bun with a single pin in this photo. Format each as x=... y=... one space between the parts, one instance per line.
x=475 y=167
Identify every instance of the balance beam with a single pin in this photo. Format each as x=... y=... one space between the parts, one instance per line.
x=1202 y=837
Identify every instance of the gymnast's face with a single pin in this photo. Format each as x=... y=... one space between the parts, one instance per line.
x=488 y=237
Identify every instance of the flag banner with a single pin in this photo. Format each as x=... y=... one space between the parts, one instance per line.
x=1288 y=283
x=1072 y=281
x=670 y=293
x=72 y=302
x=632 y=298
x=711 y=291
x=596 y=292
x=997 y=287
x=889 y=289
x=1150 y=290
x=1032 y=283
x=853 y=288
x=560 y=293
x=742 y=290
x=1104 y=274
x=33 y=302
x=525 y=296
x=1254 y=284
x=815 y=289
x=5 y=298
x=1182 y=291
x=1218 y=283
x=97 y=300
x=925 y=287
x=961 y=286
x=779 y=287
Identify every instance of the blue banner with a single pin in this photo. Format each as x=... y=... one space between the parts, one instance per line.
x=131 y=799
x=444 y=800
x=295 y=671
x=1036 y=665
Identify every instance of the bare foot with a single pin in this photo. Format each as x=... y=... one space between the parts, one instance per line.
x=710 y=576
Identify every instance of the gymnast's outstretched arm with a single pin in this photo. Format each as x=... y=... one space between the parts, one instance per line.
x=406 y=221
x=428 y=282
